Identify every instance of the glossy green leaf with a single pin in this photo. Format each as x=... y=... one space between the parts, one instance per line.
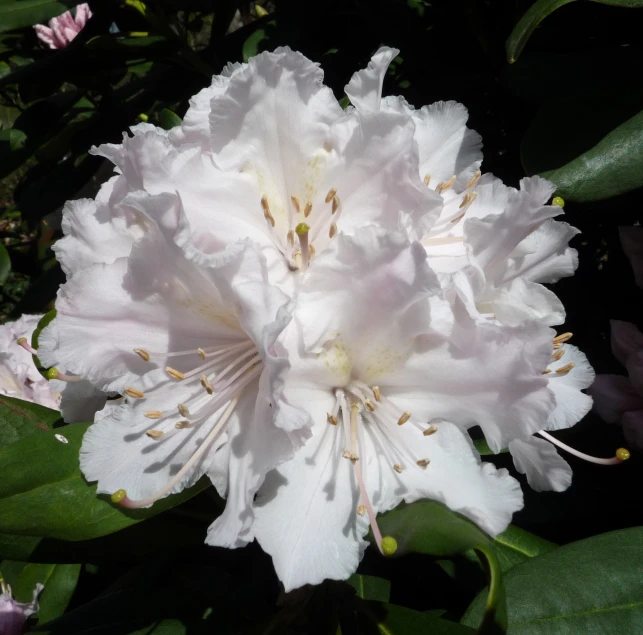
x=43 y=493
x=484 y=450
x=369 y=587
x=590 y=586
x=538 y=12
x=613 y=166
x=18 y=14
x=168 y=119
x=42 y=323
x=431 y=528
x=251 y=45
x=389 y=619
x=20 y=419
x=5 y=263
x=515 y=545
x=59 y=581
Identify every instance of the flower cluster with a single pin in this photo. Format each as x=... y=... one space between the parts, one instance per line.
x=311 y=307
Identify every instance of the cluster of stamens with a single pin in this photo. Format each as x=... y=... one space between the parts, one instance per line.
x=301 y=232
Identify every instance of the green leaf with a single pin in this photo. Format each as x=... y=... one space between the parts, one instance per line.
x=43 y=493
x=538 y=12
x=18 y=14
x=168 y=119
x=613 y=166
x=515 y=545
x=251 y=45
x=369 y=587
x=42 y=323
x=431 y=528
x=390 y=619
x=59 y=581
x=484 y=450
x=590 y=586
x=5 y=263
x=20 y=419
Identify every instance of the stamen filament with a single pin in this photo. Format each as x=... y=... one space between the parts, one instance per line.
x=581 y=455
x=128 y=503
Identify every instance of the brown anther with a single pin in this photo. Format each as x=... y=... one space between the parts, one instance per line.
x=181 y=424
x=370 y=405
x=557 y=345
x=427 y=179
x=563 y=337
x=183 y=410
x=458 y=218
x=474 y=179
x=264 y=204
x=354 y=457
x=332 y=419
x=333 y=230
x=201 y=353
x=423 y=462
x=468 y=198
x=546 y=371
x=361 y=510
x=143 y=354
x=558 y=354
x=565 y=369
x=270 y=218
x=346 y=454
x=290 y=237
x=132 y=392
x=404 y=418
x=154 y=434
x=311 y=251
x=153 y=414
x=443 y=186
x=376 y=393
x=331 y=195
x=308 y=209
x=398 y=468
x=295 y=202
x=175 y=374
x=205 y=382
x=432 y=429
x=335 y=203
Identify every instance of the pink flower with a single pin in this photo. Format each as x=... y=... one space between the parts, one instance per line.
x=13 y=615
x=63 y=29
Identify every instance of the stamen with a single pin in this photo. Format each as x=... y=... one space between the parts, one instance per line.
x=354 y=413
x=621 y=454
x=134 y=393
x=449 y=240
x=307 y=210
x=290 y=237
x=563 y=337
x=182 y=424
x=311 y=251
x=361 y=509
x=333 y=230
x=398 y=468
x=376 y=393
x=266 y=211
x=565 y=369
x=22 y=341
x=302 y=233
x=468 y=198
x=175 y=374
x=558 y=354
x=121 y=495
x=427 y=179
x=432 y=429
x=183 y=410
x=335 y=203
x=155 y=434
x=443 y=186
x=143 y=354
x=370 y=405
x=332 y=419
x=404 y=418
x=458 y=218
x=153 y=414
x=201 y=353
x=546 y=371
x=474 y=179
x=295 y=202
x=423 y=462
x=331 y=195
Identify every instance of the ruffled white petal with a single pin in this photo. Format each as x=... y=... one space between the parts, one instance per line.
x=521 y=300
x=545 y=469
x=365 y=86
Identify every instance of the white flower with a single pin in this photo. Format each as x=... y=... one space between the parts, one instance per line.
x=266 y=148
x=390 y=378
x=13 y=615
x=492 y=247
x=192 y=347
x=19 y=377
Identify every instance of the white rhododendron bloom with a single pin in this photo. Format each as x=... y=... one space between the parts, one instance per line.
x=198 y=364
x=493 y=247
x=19 y=377
x=391 y=377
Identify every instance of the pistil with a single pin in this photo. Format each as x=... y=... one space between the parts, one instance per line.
x=621 y=454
